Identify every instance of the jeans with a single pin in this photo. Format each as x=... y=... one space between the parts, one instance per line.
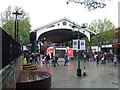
x=66 y=63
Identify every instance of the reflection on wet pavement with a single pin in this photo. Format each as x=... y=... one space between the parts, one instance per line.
x=99 y=75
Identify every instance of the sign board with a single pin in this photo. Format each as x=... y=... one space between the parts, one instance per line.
x=107 y=46
x=70 y=52
x=115 y=46
x=75 y=44
x=50 y=50
x=82 y=45
x=94 y=47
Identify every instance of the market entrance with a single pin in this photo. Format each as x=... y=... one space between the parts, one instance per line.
x=58 y=32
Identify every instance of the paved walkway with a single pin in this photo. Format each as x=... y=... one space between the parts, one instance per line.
x=99 y=75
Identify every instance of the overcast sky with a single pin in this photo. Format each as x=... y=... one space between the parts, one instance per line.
x=43 y=12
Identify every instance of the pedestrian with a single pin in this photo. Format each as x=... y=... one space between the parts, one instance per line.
x=88 y=57
x=66 y=59
x=85 y=57
x=115 y=60
x=27 y=57
x=56 y=59
x=44 y=60
x=33 y=58
x=30 y=59
x=103 y=59
x=51 y=58
x=97 y=59
x=53 y=61
x=48 y=59
x=25 y=61
x=95 y=56
x=36 y=60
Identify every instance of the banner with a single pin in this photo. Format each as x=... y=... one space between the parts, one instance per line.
x=82 y=45
x=70 y=52
x=75 y=44
x=50 y=50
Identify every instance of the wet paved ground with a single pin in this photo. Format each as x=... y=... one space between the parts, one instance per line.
x=99 y=75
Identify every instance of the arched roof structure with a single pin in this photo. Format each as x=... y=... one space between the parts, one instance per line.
x=62 y=30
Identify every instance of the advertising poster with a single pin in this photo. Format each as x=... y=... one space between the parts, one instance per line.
x=82 y=45
x=50 y=50
x=70 y=52
x=75 y=44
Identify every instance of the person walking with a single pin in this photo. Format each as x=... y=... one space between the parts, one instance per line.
x=55 y=60
x=33 y=58
x=88 y=57
x=103 y=59
x=51 y=58
x=85 y=57
x=25 y=60
x=115 y=60
x=66 y=59
x=48 y=59
x=36 y=59
x=27 y=57
x=97 y=59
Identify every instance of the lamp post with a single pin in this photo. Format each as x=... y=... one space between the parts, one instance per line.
x=98 y=44
x=21 y=43
x=116 y=42
x=78 y=53
x=17 y=18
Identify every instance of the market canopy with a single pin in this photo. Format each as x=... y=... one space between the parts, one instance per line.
x=62 y=30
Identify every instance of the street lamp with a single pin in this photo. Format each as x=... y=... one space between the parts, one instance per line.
x=17 y=18
x=78 y=53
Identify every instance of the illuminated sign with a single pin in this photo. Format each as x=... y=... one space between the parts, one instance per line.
x=115 y=46
x=70 y=52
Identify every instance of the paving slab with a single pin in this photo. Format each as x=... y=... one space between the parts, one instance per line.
x=99 y=75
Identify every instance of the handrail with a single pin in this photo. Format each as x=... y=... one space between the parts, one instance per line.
x=6 y=70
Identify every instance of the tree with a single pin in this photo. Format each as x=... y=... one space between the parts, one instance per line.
x=105 y=29
x=90 y=4
x=7 y=21
x=100 y=26
x=104 y=37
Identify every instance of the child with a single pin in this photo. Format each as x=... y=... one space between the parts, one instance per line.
x=25 y=61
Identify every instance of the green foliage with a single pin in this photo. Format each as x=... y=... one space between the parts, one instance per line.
x=8 y=23
x=104 y=37
x=105 y=29
x=100 y=26
x=70 y=44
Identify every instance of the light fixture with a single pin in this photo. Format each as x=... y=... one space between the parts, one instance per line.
x=17 y=18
